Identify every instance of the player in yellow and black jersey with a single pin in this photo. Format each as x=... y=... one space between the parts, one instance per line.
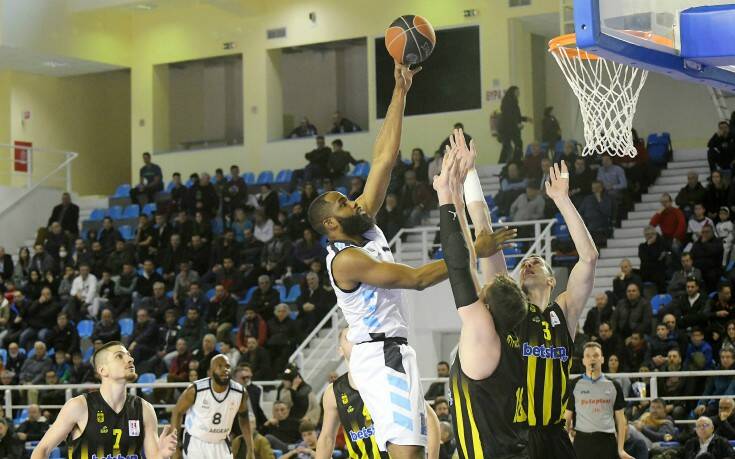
x=547 y=333
x=343 y=406
x=109 y=423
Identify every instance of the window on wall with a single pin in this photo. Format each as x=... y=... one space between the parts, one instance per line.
x=316 y=82
x=450 y=79
x=198 y=104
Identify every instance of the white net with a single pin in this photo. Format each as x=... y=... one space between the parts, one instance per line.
x=608 y=93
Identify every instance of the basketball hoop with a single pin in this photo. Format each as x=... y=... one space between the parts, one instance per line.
x=607 y=92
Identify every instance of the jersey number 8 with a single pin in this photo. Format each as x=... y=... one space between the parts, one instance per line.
x=217 y=418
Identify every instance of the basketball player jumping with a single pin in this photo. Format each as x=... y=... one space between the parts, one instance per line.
x=367 y=283
x=487 y=377
x=343 y=405
x=546 y=334
x=210 y=405
x=109 y=422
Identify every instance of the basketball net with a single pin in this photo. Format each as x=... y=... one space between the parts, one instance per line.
x=607 y=92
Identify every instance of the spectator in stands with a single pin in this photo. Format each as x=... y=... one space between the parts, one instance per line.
x=659 y=346
x=193 y=329
x=636 y=351
x=282 y=429
x=263 y=229
x=390 y=217
x=602 y=312
x=251 y=325
x=307 y=448
x=720 y=148
x=308 y=194
x=268 y=201
x=261 y=447
x=680 y=336
x=550 y=129
x=528 y=206
x=258 y=359
x=419 y=165
x=205 y=197
x=532 y=163
x=623 y=279
x=10 y=446
x=144 y=340
x=145 y=236
x=692 y=309
x=306 y=250
x=612 y=177
x=158 y=304
x=108 y=235
x=6 y=266
x=183 y=226
x=125 y=287
x=707 y=444
x=692 y=193
x=83 y=294
x=42 y=261
x=277 y=253
x=314 y=302
x=716 y=194
x=162 y=231
x=106 y=329
x=439 y=388
x=677 y=284
x=81 y=372
x=318 y=159
x=598 y=212
x=147 y=279
x=416 y=198
x=510 y=124
x=357 y=185
x=39 y=318
x=22 y=268
x=304 y=129
x=655 y=425
x=611 y=342
x=282 y=333
x=66 y=214
x=230 y=351
x=295 y=392
x=56 y=239
x=580 y=180
x=178 y=367
x=674 y=386
x=698 y=221
x=178 y=192
x=445 y=143
x=265 y=297
x=221 y=313
x=655 y=255
x=435 y=164
x=151 y=182
x=707 y=255
x=227 y=247
x=35 y=366
x=340 y=124
x=671 y=221
x=511 y=186
x=199 y=254
x=725 y=230
x=717 y=385
x=118 y=257
x=184 y=279
x=235 y=192
x=699 y=352
x=297 y=222
x=721 y=309
x=61 y=366
x=205 y=353
x=725 y=419
x=339 y=160
x=633 y=313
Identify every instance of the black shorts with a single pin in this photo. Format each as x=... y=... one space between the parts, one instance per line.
x=550 y=442
x=595 y=445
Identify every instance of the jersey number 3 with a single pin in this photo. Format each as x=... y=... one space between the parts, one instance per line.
x=547 y=332
x=216 y=419
x=117 y=433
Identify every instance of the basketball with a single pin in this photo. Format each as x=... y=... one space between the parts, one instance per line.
x=410 y=39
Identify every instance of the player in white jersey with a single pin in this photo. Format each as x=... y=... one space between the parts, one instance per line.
x=211 y=405
x=368 y=286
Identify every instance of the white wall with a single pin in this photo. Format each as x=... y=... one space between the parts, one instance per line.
x=352 y=84
x=21 y=218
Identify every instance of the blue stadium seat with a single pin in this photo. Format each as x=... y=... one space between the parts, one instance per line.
x=122 y=191
x=4 y=356
x=131 y=211
x=150 y=208
x=342 y=189
x=127 y=233
x=294 y=293
x=189 y=183
x=295 y=198
x=182 y=319
x=561 y=232
x=170 y=186
x=277 y=453
x=281 y=291
x=248 y=295
x=283 y=177
x=265 y=178
x=293 y=315
x=660 y=301
x=170 y=294
x=147 y=378
x=659 y=146
x=284 y=200
x=126 y=327
x=88 y=354
x=210 y=294
x=85 y=328
x=22 y=417
x=97 y=215
x=55 y=454
x=249 y=178
x=730 y=266
x=438 y=255
x=360 y=170
x=512 y=256
x=490 y=201
x=116 y=212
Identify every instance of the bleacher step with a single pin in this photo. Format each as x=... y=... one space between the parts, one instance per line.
x=682 y=171
x=621 y=243
x=639 y=223
x=609 y=261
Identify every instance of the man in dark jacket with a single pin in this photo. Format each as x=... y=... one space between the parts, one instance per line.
x=725 y=419
x=282 y=333
x=318 y=159
x=64 y=336
x=276 y=252
x=108 y=235
x=67 y=214
x=690 y=194
x=314 y=302
x=678 y=283
x=10 y=447
x=602 y=312
x=691 y=309
x=39 y=317
x=720 y=148
x=265 y=298
x=339 y=161
x=258 y=359
x=221 y=314
x=714 y=446
x=598 y=211
x=633 y=313
x=654 y=253
x=144 y=340
x=33 y=428
x=707 y=256
x=193 y=329
x=6 y=265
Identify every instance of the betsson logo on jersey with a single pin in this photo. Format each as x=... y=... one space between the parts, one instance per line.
x=544 y=352
x=362 y=434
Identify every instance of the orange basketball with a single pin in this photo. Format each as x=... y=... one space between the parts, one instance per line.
x=410 y=39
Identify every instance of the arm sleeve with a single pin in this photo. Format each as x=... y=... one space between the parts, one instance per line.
x=456 y=256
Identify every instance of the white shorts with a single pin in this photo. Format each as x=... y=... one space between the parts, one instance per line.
x=193 y=448
x=387 y=377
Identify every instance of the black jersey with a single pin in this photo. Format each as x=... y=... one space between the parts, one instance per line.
x=489 y=415
x=356 y=421
x=546 y=347
x=109 y=434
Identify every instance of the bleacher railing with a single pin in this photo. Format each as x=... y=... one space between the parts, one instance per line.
x=312 y=363
x=31 y=167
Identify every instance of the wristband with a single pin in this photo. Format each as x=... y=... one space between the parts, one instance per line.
x=473 y=188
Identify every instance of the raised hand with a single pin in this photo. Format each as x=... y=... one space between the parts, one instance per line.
x=441 y=181
x=558 y=185
x=488 y=244
x=467 y=154
x=404 y=76
x=167 y=442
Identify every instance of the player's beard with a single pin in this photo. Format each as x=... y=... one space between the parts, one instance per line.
x=222 y=381
x=357 y=224
x=131 y=377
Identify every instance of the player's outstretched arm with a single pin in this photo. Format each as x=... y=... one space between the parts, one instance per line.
x=385 y=150
x=243 y=417
x=156 y=447
x=72 y=413
x=353 y=266
x=582 y=277
x=479 y=343
x=330 y=425
x=182 y=406
x=434 y=440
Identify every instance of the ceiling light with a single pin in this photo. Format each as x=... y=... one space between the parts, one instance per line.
x=55 y=64
x=145 y=6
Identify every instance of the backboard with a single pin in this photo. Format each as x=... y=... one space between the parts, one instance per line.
x=681 y=38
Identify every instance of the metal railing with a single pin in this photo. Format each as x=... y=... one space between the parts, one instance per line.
x=310 y=363
x=42 y=167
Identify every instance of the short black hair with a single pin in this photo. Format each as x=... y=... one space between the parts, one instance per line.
x=590 y=344
x=145 y=153
x=318 y=212
x=442 y=362
x=337 y=142
x=176 y=174
x=320 y=137
x=105 y=346
x=723 y=122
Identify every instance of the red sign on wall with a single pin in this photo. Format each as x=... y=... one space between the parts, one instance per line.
x=21 y=157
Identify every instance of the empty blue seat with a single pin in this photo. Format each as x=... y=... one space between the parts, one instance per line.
x=97 y=215
x=182 y=319
x=147 y=378
x=284 y=199
x=122 y=191
x=85 y=328
x=265 y=178
x=131 y=211
x=295 y=198
x=360 y=170
x=324 y=241
x=281 y=291
x=561 y=232
x=88 y=354
x=283 y=177
x=150 y=208
x=660 y=301
x=116 y=212
x=294 y=293
x=22 y=416
x=659 y=146
x=126 y=231
x=249 y=178
x=512 y=256
x=4 y=356
x=210 y=293
x=126 y=327
x=248 y=295
x=438 y=255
